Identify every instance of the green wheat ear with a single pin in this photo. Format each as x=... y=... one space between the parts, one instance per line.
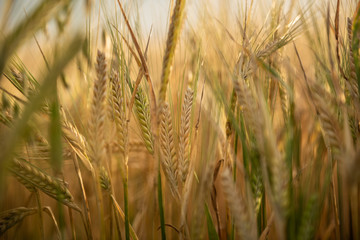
x=142 y=112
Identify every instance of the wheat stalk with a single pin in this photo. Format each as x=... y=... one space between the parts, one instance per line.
x=172 y=38
x=168 y=150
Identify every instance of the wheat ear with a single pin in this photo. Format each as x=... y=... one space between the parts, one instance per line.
x=117 y=100
x=36 y=178
x=143 y=116
x=167 y=144
x=172 y=38
x=11 y=217
x=244 y=224
x=77 y=142
x=328 y=121
x=105 y=182
x=184 y=134
x=249 y=107
x=98 y=111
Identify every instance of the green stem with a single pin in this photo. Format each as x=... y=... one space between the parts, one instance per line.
x=40 y=214
x=161 y=207
x=234 y=172
x=126 y=205
x=72 y=224
x=84 y=199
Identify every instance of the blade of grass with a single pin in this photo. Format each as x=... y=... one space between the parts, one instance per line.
x=55 y=134
x=213 y=235
x=161 y=207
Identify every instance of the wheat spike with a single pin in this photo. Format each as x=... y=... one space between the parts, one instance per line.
x=98 y=112
x=167 y=144
x=105 y=182
x=143 y=116
x=328 y=121
x=118 y=108
x=172 y=38
x=36 y=178
x=244 y=223
x=77 y=142
x=11 y=217
x=250 y=108
x=284 y=100
x=202 y=193
x=257 y=189
x=184 y=134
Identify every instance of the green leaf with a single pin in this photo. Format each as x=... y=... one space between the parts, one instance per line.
x=55 y=134
x=210 y=225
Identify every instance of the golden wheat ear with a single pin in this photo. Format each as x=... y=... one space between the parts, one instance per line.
x=98 y=111
x=184 y=135
x=167 y=146
x=244 y=224
x=118 y=109
x=36 y=178
x=172 y=39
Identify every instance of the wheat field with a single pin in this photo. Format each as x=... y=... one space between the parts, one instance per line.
x=189 y=119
